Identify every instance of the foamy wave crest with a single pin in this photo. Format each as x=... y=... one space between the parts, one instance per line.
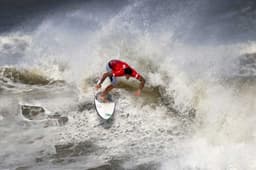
x=25 y=76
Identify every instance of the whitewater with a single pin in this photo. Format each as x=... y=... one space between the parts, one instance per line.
x=196 y=111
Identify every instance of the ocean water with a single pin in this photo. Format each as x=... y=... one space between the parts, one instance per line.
x=196 y=112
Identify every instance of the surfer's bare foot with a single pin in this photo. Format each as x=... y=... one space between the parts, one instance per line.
x=103 y=98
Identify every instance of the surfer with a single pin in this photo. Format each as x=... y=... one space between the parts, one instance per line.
x=118 y=68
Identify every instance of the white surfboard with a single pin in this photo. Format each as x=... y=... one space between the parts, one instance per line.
x=104 y=109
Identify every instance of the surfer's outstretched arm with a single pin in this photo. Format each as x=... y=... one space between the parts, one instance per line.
x=105 y=75
x=142 y=82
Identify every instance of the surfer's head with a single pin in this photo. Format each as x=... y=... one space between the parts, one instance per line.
x=127 y=72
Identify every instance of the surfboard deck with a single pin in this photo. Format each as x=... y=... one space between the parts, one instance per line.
x=105 y=109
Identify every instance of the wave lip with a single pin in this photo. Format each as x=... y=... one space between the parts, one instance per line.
x=25 y=76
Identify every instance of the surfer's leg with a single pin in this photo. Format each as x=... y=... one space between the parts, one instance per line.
x=109 y=87
x=105 y=92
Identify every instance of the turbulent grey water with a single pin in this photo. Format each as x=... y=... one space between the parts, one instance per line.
x=197 y=110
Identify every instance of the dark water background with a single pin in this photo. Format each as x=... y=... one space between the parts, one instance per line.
x=229 y=20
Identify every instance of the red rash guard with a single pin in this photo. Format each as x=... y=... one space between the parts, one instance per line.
x=118 y=67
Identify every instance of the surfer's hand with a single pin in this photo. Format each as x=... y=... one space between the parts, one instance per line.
x=138 y=92
x=98 y=86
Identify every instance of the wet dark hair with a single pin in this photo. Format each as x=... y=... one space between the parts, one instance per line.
x=128 y=71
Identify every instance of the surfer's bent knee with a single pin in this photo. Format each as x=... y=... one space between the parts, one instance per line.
x=113 y=81
x=112 y=78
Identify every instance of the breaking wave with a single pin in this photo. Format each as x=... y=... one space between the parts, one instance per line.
x=196 y=110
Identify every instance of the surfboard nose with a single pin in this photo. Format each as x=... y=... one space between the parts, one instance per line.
x=104 y=109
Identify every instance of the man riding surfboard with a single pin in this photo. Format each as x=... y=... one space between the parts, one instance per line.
x=118 y=68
